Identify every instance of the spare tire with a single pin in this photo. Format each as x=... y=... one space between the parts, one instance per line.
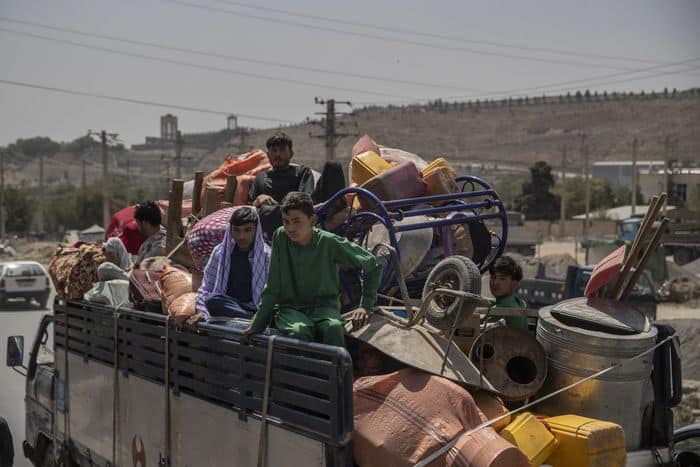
x=456 y=273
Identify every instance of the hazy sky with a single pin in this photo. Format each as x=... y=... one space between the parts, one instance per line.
x=417 y=50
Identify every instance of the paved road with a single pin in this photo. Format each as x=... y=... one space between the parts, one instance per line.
x=17 y=319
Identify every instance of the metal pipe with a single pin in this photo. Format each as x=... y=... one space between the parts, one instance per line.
x=394 y=256
x=653 y=244
x=652 y=212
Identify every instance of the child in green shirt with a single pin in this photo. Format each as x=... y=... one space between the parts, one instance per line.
x=302 y=293
x=504 y=278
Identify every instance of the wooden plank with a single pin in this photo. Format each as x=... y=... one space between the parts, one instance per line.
x=230 y=191
x=197 y=192
x=211 y=200
x=174 y=222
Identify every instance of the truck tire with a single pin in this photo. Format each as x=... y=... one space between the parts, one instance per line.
x=682 y=256
x=454 y=272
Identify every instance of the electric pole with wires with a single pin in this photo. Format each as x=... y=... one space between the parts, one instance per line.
x=105 y=138
x=330 y=124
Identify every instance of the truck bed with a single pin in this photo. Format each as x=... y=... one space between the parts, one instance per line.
x=214 y=395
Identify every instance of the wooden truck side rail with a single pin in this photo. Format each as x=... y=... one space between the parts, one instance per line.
x=310 y=385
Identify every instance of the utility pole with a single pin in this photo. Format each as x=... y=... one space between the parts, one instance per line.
x=178 y=154
x=242 y=148
x=41 y=194
x=587 y=181
x=105 y=181
x=634 y=176
x=332 y=136
x=105 y=172
x=666 y=176
x=83 y=192
x=2 y=195
x=128 y=170
x=562 y=210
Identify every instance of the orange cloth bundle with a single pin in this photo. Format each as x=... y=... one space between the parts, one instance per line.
x=244 y=167
x=183 y=307
x=402 y=417
x=173 y=284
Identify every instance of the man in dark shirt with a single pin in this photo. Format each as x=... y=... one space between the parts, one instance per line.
x=237 y=270
x=270 y=187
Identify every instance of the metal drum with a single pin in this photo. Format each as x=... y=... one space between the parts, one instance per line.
x=596 y=339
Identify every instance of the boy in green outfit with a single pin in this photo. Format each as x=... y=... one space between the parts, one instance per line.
x=504 y=277
x=302 y=293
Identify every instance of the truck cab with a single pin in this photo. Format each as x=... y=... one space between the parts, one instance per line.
x=39 y=391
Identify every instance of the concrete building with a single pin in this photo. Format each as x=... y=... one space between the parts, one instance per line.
x=682 y=183
x=620 y=172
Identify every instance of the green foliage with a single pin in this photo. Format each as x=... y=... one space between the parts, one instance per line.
x=68 y=207
x=603 y=195
x=508 y=189
x=20 y=209
x=35 y=147
x=81 y=145
x=537 y=201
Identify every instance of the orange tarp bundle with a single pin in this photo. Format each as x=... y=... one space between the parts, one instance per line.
x=402 y=417
x=244 y=167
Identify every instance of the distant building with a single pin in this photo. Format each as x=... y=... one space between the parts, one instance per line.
x=620 y=172
x=681 y=182
x=168 y=127
x=619 y=213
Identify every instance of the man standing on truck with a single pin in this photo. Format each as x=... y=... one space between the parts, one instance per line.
x=270 y=187
x=505 y=275
x=236 y=272
x=302 y=294
x=148 y=219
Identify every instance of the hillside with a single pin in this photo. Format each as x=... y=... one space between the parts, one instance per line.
x=516 y=134
x=520 y=134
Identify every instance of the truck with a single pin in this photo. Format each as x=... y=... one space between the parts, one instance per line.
x=521 y=240
x=680 y=240
x=539 y=291
x=112 y=387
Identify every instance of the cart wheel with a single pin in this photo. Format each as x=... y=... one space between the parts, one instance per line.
x=456 y=273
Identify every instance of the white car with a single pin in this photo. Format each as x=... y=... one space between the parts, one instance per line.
x=26 y=280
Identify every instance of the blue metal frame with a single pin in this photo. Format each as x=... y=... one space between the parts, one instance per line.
x=481 y=203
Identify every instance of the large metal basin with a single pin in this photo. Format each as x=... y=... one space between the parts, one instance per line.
x=574 y=352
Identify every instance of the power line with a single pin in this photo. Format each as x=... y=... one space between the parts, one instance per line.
x=385 y=27
x=199 y=66
x=391 y=39
x=564 y=85
x=603 y=77
x=239 y=58
x=139 y=101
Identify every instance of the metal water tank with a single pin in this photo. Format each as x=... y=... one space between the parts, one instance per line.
x=583 y=336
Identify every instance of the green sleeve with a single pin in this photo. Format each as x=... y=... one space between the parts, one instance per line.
x=351 y=254
x=270 y=294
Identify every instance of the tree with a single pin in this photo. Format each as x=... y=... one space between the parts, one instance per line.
x=81 y=145
x=536 y=200
x=20 y=210
x=35 y=147
x=603 y=195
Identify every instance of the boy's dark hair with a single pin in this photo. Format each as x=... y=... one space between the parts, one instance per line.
x=279 y=139
x=243 y=216
x=507 y=266
x=298 y=200
x=148 y=212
